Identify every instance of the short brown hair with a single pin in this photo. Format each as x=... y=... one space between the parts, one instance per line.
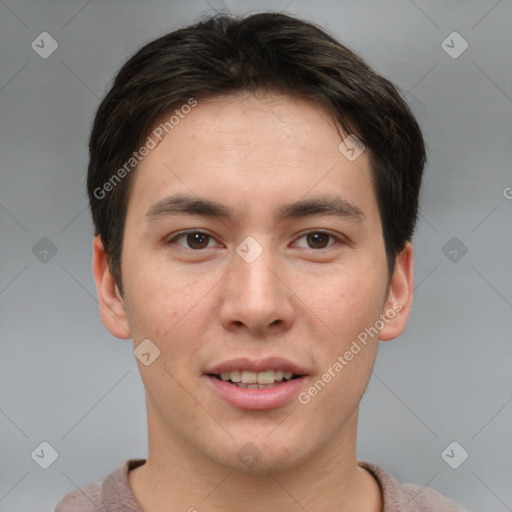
x=269 y=52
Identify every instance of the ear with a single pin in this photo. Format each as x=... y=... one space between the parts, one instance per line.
x=399 y=302
x=112 y=307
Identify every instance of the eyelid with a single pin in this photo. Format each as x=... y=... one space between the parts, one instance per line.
x=338 y=239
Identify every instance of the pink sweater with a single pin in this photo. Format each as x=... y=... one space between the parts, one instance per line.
x=114 y=494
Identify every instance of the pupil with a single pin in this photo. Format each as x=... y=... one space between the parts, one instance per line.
x=195 y=238
x=313 y=238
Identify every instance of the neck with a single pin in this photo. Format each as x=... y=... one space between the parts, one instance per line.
x=177 y=477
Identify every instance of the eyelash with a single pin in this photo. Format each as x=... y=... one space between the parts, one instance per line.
x=184 y=233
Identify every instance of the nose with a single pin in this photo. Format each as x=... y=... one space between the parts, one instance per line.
x=256 y=296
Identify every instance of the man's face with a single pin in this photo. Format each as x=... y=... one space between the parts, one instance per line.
x=255 y=285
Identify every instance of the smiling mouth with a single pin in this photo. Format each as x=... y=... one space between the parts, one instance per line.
x=256 y=380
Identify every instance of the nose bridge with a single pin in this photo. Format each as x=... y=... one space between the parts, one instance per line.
x=254 y=295
x=255 y=268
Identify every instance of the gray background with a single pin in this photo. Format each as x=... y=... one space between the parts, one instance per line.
x=66 y=381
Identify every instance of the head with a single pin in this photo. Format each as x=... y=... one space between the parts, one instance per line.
x=231 y=123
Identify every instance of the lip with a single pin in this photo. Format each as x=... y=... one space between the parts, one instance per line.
x=257 y=399
x=257 y=365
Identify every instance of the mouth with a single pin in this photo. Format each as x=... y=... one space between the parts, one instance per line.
x=256 y=380
x=256 y=384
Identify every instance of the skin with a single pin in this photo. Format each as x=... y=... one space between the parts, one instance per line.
x=204 y=306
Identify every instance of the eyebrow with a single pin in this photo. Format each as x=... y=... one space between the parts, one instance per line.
x=180 y=204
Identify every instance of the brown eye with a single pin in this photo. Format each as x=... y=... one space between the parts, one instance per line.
x=197 y=240
x=194 y=240
x=319 y=240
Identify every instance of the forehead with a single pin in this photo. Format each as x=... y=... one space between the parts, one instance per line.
x=257 y=149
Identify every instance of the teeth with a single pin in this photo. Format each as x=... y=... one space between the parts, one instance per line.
x=255 y=386
x=235 y=376
x=266 y=377
x=249 y=377
x=257 y=378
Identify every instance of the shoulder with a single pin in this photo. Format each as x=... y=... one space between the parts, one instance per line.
x=87 y=499
x=409 y=497
x=425 y=499
x=110 y=495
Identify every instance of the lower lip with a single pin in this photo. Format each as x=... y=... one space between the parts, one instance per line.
x=257 y=399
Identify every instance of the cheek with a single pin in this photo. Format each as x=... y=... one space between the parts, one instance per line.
x=152 y=302
x=345 y=363
x=347 y=303
x=351 y=305
x=167 y=307
x=362 y=302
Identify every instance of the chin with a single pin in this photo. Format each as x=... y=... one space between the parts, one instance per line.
x=263 y=452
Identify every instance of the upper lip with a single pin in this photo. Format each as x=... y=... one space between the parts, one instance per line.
x=257 y=365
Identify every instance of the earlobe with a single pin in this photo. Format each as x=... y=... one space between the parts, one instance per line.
x=111 y=303
x=399 y=302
